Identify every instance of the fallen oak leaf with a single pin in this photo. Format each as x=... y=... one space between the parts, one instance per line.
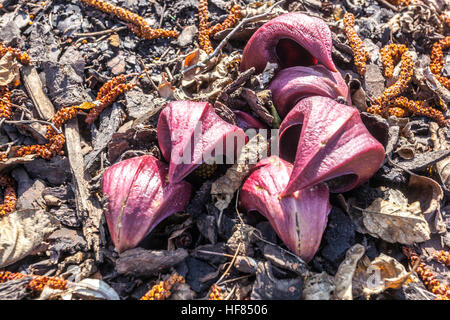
x=346 y=270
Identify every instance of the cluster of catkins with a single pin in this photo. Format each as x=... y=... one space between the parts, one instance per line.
x=37 y=283
x=205 y=31
x=391 y=103
x=107 y=94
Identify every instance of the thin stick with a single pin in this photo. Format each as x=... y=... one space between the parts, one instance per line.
x=228 y=297
x=238 y=278
x=32 y=121
x=100 y=33
x=231 y=263
x=225 y=40
x=214 y=253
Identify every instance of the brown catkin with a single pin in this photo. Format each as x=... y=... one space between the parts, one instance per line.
x=359 y=52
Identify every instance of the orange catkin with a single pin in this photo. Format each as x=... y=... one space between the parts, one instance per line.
x=137 y=23
x=5 y=103
x=426 y=274
x=37 y=283
x=20 y=56
x=10 y=196
x=216 y=293
x=419 y=108
x=437 y=60
x=203 y=29
x=161 y=291
x=359 y=52
x=390 y=55
x=400 y=2
x=230 y=21
x=395 y=90
x=442 y=257
x=107 y=98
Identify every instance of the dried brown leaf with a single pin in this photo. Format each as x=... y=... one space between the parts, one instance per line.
x=438 y=136
x=396 y=220
x=23 y=231
x=374 y=277
x=9 y=70
x=344 y=275
x=223 y=189
x=318 y=286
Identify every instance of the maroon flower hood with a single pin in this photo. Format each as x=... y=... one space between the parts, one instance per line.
x=292 y=39
x=189 y=133
x=293 y=84
x=139 y=197
x=333 y=143
x=298 y=219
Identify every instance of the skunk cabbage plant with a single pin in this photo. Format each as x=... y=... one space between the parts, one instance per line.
x=332 y=144
x=300 y=218
x=293 y=84
x=191 y=133
x=292 y=39
x=139 y=197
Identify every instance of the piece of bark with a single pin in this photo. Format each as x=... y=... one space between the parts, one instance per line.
x=33 y=85
x=141 y=262
x=14 y=289
x=86 y=208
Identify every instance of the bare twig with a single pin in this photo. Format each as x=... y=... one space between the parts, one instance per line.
x=33 y=121
x=231 y=264
x=98 y=33
x=225 y=40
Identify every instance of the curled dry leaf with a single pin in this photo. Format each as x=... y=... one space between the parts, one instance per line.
x=165 y=88
x=223 y=189
x=396 y=220
x=429 y=194
x=207 y=83
x=92 y=289
x=440 y=143
x=318 y=286
x=9 y=70
x=22 y=232
x=344 y=275
x=374 y=277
